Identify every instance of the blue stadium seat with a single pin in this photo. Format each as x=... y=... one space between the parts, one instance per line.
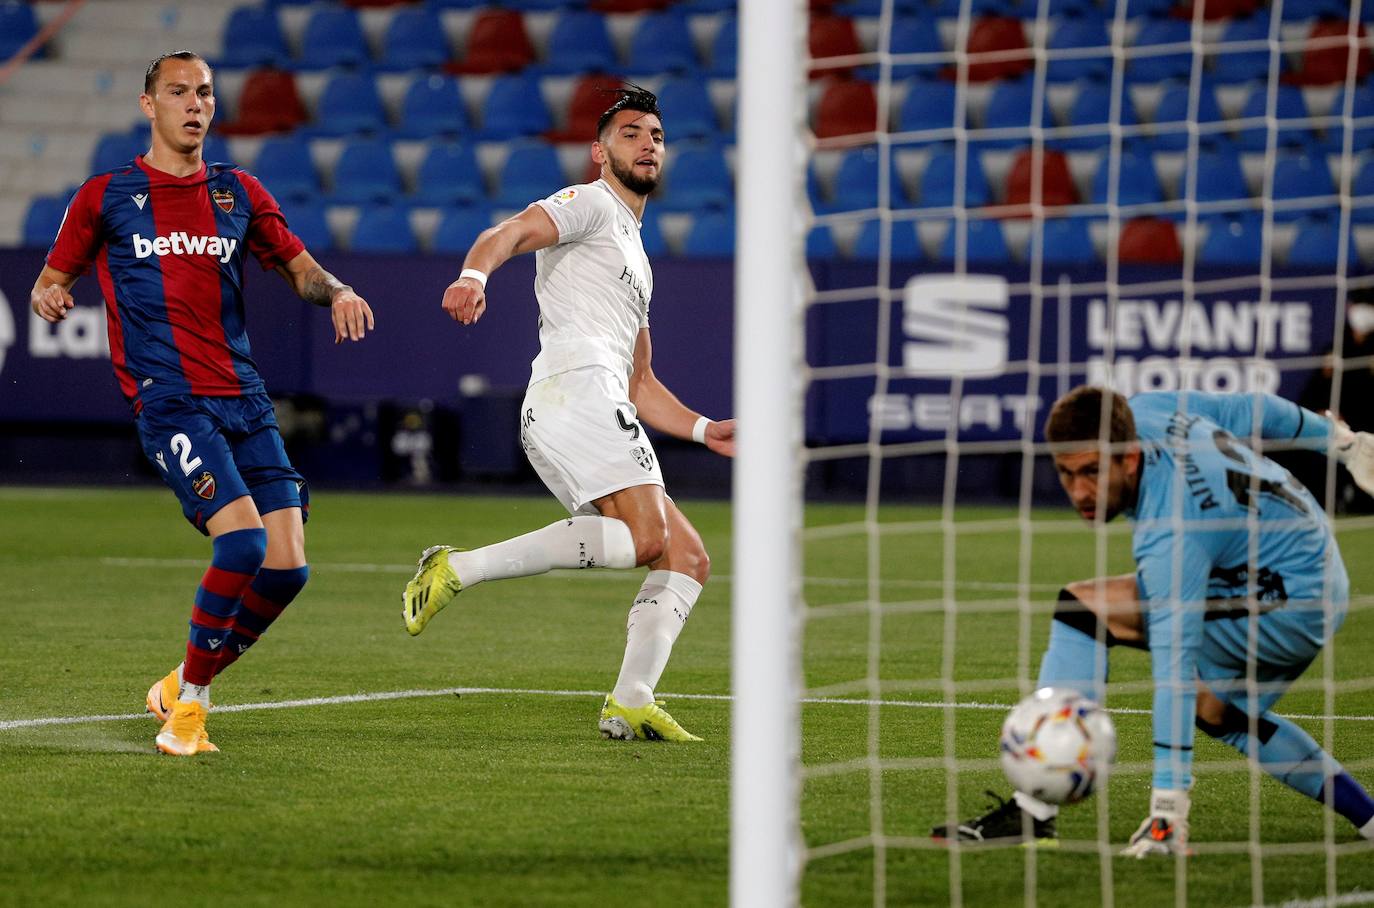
x=1317 y=244
x=458 y=229
x=1171 y=116
x=1363 y=187
x=1092 y=107
x=1138 y=8
x=514 y=107
x=905 y=245
x=820 y=244
x=986 y=243
x=449 y=175
x=433 y=106
x=1302 y=10
x=415 y=39
x=651 y=235
x=1234 y=241
x=580 y=42
x=366 y=173
x=307 y=221
x=914 y=34
x=1067 y=241
x=929 y=105
x=687 y=109
x=383 y=228
x=115 y=149
x=1010 y=106
x=662 y=42
x=856 y=181
x=1244 y=65
x=698 y=178
x=1172 y=65
x=725 y=48
x=1079 y=32
x=1299 y=174
x=531 y=172
x=285 y=167
x=1362 y=108
x=1289 y=105
x=938 y=180
x=1137 y=181
x=333 y=37
x=252 y=37
x=1219 y=176
x=42 y=220
x=712 y=236
x=349 y=105
x=17 y=25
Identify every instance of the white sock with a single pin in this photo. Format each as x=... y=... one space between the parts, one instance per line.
x=1367 y=830
x=1035 y=807
x=660 y=610
x=200 y=693
x=578 y=542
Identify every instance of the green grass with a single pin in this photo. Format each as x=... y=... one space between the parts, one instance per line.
x=513 y=799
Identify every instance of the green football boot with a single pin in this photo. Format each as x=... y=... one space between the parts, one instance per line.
x=434 y=586
x=651 y=722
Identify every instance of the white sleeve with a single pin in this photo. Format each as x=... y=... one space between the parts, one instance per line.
x=577 y=212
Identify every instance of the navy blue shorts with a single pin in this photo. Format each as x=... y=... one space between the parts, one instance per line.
x=213 y=450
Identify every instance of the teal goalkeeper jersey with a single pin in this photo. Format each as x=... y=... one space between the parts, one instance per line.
x=1209 y=509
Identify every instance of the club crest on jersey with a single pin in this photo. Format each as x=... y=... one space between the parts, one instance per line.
x=223 y=198
x=562 y=198
x=644 y=458
x=204 y=485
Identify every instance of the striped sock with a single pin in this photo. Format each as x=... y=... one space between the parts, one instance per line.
x=265 y=599
x=236 y=559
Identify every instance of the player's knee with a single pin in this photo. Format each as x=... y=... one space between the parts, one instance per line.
x=241 y=551
x=693 y=561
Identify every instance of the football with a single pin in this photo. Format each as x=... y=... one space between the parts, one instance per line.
x=1057 y=745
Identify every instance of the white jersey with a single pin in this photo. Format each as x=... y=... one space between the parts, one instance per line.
x=593 y=287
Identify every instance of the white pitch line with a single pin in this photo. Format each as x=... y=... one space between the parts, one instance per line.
x=1353 y=897
x=10 y=724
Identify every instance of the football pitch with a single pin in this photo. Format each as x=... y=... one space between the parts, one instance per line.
x=360 y=766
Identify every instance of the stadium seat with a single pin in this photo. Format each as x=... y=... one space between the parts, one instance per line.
x=497 y=43
x=1362 y=191
x=268 y=103
x=531 y=172
x=856 y=181
x=820 y=243
x=712 y=236
x=1302 y=10
x=651 y=235
x=252 y=37
x=433 y=106
x=905 y=246
x=1079 y=32
x=698 y=179
x=662 y=43
x=1317 y=245
x=449 y=175
x=1137 y=8
x=1362 y=108
x=687 y=109
x=1056 y=183
x=1171 y=116
x=1149 y=241
x=996 y=35
x=1244 y=65
x=307 y=221
x=1301 y=175
x=1219 y=176
x=458 y=229
x=1066 y=241
x=1172 y=65
x=929 y=105
x=115 y=149
x=285 y=167
x=349 y=105
x=1289 y=105
x=333 y=37
x=629 y=6
x=415 y=39
x=42 y=220
x=17 y=25
x=1214 y=10
x=365 y=173
x=590 y=99
x=1010 y=107
x=938 y=181
x=1324 y=65
x=1233 y=241
x=1137 y=181
x=986 y=244
x=725 y=48
x=580 y=42
x=832 y=36
x=1092 y=107
x=514 y=107
x=846 y=108
x=913 y=34
x=383 y=228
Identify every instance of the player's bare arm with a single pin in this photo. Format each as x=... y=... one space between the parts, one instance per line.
x=51 y=297
x=529 y=231
x=351 y=315
x=661 y=409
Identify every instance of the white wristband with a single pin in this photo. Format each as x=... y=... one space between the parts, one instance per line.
x=699 y=430
x=478 y=276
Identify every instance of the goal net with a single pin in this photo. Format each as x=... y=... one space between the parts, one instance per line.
x=991 y=202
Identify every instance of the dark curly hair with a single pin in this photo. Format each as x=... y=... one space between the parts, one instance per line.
x=631 y=97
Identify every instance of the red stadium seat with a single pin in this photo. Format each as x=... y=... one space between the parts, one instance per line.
x=1326 y=65
x=588 y=103
x=497 y=43
x=1149 y=241
x=1056 y=185
x=628 y=6
x=1212 y=10
x=1000 y=35
x=832 y=36
x=846 y=108
x=269 y=102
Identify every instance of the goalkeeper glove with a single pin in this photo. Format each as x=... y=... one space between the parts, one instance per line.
x=1355 y=450
x=1165 y=830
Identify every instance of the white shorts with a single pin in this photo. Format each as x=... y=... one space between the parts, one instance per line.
x=582 y=436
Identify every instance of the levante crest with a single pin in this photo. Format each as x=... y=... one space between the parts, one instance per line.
x=223 y=198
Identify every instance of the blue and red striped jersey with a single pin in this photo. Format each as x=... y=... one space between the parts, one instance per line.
x=169 y=252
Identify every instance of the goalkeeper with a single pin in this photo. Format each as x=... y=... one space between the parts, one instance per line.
x=1207 y=509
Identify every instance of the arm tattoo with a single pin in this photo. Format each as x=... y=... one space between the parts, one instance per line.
x=319 y=287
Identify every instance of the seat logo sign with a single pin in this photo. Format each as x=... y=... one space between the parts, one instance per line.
x=955 y=325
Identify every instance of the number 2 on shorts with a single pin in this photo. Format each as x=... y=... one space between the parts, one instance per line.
x=181 y=447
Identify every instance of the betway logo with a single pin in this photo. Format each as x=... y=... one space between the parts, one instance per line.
x=182 y=243
x=955 y=325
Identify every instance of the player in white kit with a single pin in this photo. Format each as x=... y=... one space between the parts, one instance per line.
x=590 y=386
